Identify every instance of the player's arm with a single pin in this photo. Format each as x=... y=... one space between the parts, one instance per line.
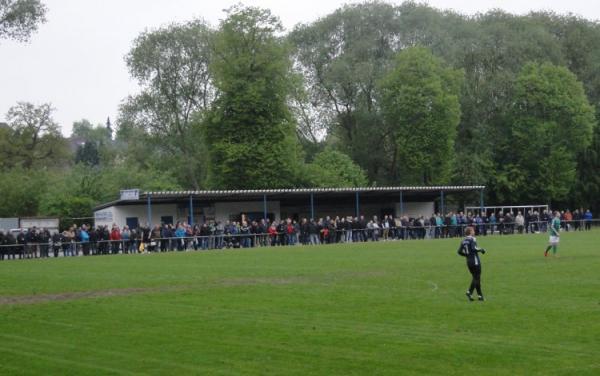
x=461 y=251
x=476 y=248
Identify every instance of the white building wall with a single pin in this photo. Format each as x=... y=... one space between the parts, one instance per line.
x=223 y=211
x=416 y=209
x=104 y=217
x=119 y=214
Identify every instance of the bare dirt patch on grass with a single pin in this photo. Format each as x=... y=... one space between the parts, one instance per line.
x=116 y=292
x=67 y=296
x=227 y=282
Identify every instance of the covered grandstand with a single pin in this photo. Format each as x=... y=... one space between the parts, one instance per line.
x=135 y=208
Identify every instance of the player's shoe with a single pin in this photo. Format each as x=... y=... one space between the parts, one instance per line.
x=469 y=296
x=480 y=298
x=546 y=253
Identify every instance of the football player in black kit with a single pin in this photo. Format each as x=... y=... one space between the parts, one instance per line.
x=468 y=248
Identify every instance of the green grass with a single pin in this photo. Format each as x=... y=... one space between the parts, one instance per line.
x=385 y=308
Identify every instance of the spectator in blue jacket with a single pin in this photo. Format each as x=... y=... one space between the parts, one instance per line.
x=587 y=218
x=180 y=235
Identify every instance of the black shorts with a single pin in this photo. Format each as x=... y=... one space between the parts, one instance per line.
x=475 y=270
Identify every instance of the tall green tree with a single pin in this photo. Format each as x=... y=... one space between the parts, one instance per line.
x=250 y=132
x=20 y=18
x=335 y=52
x=492 y=53
x=35 y=137
x=171 y=65
x=580 y=42
x=552 y=123
x=341 y=57
x=587 y=190
x=8 y=150
x=422 y=110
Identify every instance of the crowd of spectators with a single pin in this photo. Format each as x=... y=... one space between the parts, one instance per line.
x=83 y=240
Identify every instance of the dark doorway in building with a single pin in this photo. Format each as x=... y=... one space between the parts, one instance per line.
x=132 y=223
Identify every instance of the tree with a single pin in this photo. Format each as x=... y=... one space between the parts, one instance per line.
x=98 y=147
x=587 y=189
x=552 y=123
x=580 y=41
x=21 y=192
x=558 y=172
x=171 y=65
x=86 y=131
x=88 y=154
x=250 y=132
x=492 y=51
x=74 y=193
x=342 y=53
x=341 y=58
x=8 y=150
x=20 y=18
x=35 y=136
x=421 y=108
x=109 y=129
x=331 y=168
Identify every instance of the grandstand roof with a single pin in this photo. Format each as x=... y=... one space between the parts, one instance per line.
x=249 y=194
x=317 y=190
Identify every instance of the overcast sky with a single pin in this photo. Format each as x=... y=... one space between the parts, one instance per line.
x=75 y=61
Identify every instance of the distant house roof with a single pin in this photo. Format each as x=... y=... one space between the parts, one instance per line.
x=248 y=194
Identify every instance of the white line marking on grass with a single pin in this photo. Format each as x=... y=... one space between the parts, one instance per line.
x=56 y=359
x=433 y=285
x=15 y=338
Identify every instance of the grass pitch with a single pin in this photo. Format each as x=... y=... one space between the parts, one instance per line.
x=370 y=308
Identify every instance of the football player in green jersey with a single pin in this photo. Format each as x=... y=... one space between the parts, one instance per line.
x=554 y=234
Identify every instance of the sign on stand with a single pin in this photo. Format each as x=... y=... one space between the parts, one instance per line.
x=130 y=194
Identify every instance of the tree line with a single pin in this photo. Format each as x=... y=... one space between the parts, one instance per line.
x=371 y=94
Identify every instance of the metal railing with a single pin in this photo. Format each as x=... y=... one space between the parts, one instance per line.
x=72 y=248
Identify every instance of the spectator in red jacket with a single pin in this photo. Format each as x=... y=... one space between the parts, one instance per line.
x=272 y=234
x=115 y=239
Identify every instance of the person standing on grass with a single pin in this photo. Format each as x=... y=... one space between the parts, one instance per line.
x=84 y=238
x=3 y=247
x=468 y=248
x=56 y=243
x=587 y=219
x=115 y=239
x=554 y=235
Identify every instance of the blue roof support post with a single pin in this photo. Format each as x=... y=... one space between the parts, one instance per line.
x=149 y=211
x=312 y=205
x=191 y=217
x=481 y=202
x=401 y=203
x=265 y=207
x=443 y=209
x=357 y=204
